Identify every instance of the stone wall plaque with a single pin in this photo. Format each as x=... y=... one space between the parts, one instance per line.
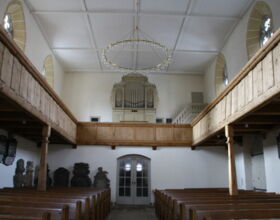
x=81 y=178
x=101 y=180
x=61 y=177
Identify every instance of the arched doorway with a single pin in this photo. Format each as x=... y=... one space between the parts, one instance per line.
x=133 y=180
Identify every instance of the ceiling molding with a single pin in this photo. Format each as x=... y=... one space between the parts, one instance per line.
x=90 y=31
x=132 y=13
x=214 y=52
x=187 y=11
x=118 y=72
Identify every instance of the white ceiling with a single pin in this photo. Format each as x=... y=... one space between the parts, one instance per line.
x=78 y=30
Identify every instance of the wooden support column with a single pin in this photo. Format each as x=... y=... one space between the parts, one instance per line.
x=231 y=161
x=42 y=179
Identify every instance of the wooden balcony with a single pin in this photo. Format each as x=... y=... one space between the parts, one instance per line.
x=250 y=103
x=27 y=102
x=134 y=134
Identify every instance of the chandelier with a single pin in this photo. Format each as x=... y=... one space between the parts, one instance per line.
x=145 y=54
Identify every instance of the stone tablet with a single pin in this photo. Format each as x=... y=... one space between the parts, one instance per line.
x=101 y=180
x=81 y=178
x=61 y=177
x=19 y=177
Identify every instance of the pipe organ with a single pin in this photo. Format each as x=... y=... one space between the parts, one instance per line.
x=134 y=99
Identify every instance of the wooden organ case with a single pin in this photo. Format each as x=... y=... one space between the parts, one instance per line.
x=134 y=99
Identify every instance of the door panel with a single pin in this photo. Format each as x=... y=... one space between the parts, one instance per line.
x=142 y=181
x=125 y=175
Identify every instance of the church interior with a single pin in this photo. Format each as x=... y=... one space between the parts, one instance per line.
x=139 y=109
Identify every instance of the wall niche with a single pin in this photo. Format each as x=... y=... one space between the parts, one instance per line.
x=134 y=99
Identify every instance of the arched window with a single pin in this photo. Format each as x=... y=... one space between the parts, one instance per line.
x=260 y=27
x=48 y=71
x=265 y=30
x=221 y=74
x=8 y=25
x=14 y=23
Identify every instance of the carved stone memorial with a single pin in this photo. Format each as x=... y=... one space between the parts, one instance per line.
x=101 y=180
x=49 y=180
x=81 y=178
x=61 y=177
x=19 y=177
x=28 y=177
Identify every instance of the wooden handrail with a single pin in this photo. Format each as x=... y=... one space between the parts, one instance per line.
x=134 y=124
x=272 y=42
x=19 y=54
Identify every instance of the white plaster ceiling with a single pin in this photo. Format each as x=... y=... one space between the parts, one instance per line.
x=78 y=30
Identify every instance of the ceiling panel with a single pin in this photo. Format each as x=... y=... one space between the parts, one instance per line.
x=113 y=20
x=163 y=29
x=164 y=5
x=121 y=58
x=110 y=4
x=148 y=59
x=65 y=30
x=200 y=33
x=56 y=4
x=220 y=7
x=190 y=62
x=111 y=28
x=78 y=59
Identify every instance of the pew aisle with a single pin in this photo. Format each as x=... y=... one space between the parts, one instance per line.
x=122 y=212
x=215 y=203
x=57 y=203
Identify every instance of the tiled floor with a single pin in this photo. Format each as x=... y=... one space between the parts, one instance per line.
x=132 y=213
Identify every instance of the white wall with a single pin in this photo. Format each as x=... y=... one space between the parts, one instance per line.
x=89 y=94
x=27 y=151
x=272 y=162
x=247 y=145
x=174 y=167
x=240 y=169
x=209 y=82
x=36 y=48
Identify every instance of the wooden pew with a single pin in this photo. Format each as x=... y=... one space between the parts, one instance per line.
x=173 y=203
x=77 y=208
x=56 y=213
x=185 y=205
x=75 y=211
x=95 y=202
x=45 y=216
x=84 y=199
x=194 y=209
x=239 y=214
x=102 y=207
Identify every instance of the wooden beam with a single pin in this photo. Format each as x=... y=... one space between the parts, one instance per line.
x=259 y=120
x=42 y=181
x=231 y=161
